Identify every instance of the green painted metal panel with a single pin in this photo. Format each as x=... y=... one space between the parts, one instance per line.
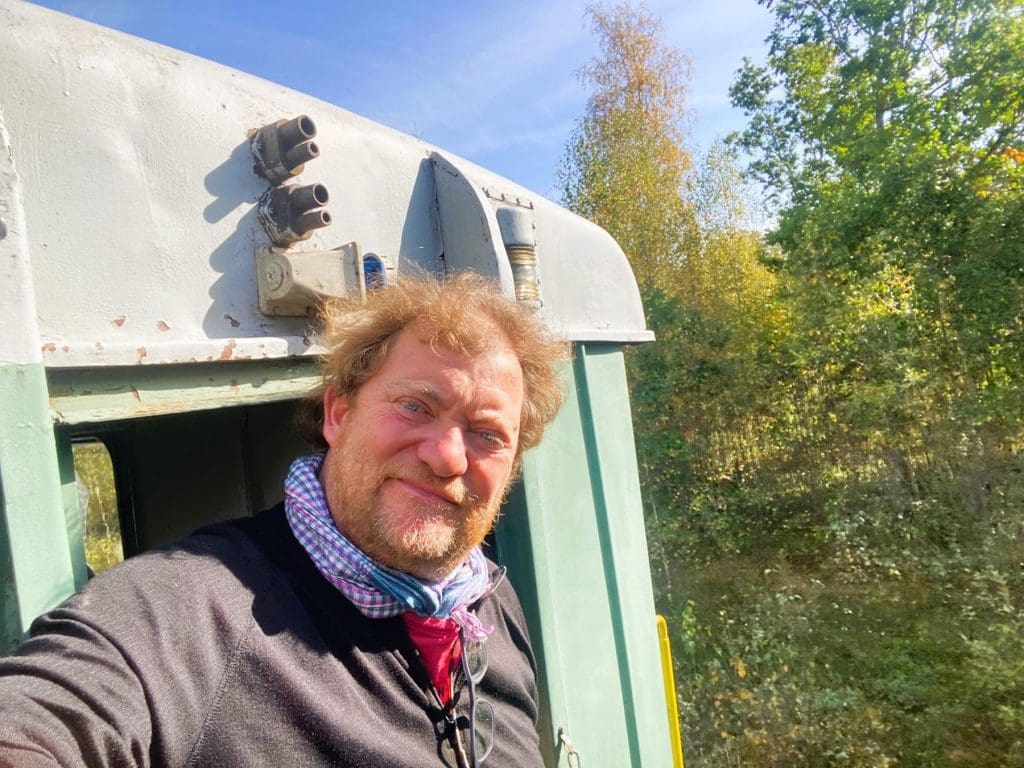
x=38 y=573
x=42 y=552
x=573 y=539
x=572 y=536
x=615 y=476
x=86 y=395
x=74 y=523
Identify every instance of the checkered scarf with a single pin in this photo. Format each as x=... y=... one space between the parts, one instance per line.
x=377 y=591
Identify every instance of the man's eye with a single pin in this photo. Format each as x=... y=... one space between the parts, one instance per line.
x=411 y=406
x=492 y=439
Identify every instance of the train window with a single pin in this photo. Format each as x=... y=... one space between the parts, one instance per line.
x=97 y=500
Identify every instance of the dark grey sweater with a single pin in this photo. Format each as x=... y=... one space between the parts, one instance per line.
x=230 y=649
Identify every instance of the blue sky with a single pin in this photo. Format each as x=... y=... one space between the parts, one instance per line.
x=493 y=82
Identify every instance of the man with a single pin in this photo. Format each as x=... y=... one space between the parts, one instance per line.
x=358 y=623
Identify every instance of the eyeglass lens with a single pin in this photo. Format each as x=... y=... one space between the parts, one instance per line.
x=483 y=730
x=476 y=660
x=480 y=720
x=461 y=754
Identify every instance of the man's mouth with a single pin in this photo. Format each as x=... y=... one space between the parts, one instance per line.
x=428 y=492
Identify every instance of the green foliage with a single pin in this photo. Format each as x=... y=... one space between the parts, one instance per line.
x=98 y=502
x=830 y=427
x=893 y=133
x=626 y=163
x=898 y=643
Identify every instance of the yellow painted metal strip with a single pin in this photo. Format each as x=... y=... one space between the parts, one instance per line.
x=671 y=705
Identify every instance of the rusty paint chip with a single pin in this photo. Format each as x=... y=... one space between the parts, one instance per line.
x=142 y=353
x=49 y=347
x=118 y=321
x=99 y=346
x=65 y=348
x=230 y=319
x=228 y=351
x=162 y=326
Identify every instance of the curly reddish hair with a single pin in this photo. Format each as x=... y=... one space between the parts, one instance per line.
x=464 y=313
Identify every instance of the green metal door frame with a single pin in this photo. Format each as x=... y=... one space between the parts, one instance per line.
x=573 y=539
x=37 y=569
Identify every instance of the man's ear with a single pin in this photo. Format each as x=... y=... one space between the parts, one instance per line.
x=335 y=410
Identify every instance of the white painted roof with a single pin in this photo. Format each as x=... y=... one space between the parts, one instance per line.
x=132 y=167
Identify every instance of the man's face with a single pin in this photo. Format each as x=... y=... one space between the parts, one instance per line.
x=420 y=457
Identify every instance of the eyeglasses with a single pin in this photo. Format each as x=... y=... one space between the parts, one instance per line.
x=471 y=736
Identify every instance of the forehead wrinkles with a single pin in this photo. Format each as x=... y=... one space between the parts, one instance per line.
x=487 y=383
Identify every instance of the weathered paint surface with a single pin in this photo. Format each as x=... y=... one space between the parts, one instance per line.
x=144 y=152
x=19 y=342
x=35 y=564
x=110 y=394
x=573 y=539
x=38 y=573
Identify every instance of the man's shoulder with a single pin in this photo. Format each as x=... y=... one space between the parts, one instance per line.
x=503 y=605
x=152 y=643
x=218 y=568
x=502 y=590
x=235 y=544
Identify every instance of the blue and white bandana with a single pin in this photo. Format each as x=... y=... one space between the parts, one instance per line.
x=377 y=591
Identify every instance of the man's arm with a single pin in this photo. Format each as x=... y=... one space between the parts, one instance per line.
x=125 y=672
x=69 y=696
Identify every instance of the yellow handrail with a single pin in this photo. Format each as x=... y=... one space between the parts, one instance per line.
x=671 y=705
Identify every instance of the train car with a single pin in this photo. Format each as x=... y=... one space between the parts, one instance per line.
x=166 y=226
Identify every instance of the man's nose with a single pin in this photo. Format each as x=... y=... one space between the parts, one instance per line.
x=444 y=451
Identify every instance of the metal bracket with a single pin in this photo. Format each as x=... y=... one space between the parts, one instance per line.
x=295 y=283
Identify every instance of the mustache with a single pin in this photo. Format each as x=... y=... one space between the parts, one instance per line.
x=454 y=489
